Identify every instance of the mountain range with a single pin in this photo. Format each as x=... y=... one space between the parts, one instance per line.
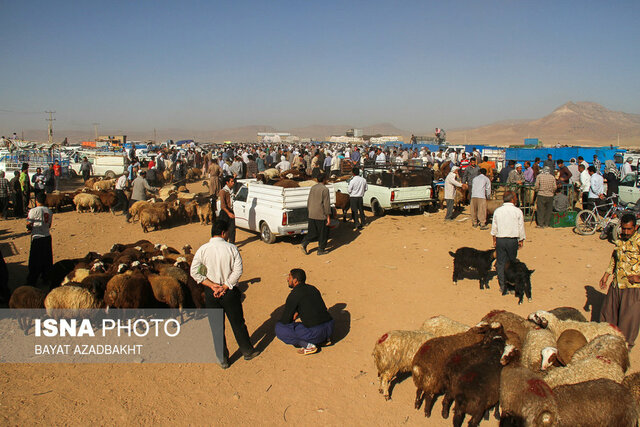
x=574 y=123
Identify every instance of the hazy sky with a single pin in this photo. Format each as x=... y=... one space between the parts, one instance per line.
x=136 y=65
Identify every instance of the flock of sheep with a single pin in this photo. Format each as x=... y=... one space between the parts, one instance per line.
x=552 y=369
x=137 y=275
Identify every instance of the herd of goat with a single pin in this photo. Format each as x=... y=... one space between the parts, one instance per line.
x=551 y=369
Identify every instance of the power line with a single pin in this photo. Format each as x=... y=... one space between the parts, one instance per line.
x=3 y=110
x=50 y=120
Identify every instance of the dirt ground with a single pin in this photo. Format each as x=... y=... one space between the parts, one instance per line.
x=394 y=274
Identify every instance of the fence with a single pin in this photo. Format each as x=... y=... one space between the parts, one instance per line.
x=527 y=195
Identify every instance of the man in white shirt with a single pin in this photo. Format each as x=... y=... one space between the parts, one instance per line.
x=381 y=158
x=508 y=234
x=626 y=168
x=480 y=192
x=596 y=188
x=585 y=183
x=284 y=165
x=217 y=265
x=450 y=184
x=357 y=187
x=41 y=254
x=121 y=185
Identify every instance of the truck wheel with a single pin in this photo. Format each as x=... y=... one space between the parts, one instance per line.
x=265 y=233
x=376 y=208
x=110 y=174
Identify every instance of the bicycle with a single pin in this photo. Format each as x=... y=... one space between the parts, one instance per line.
x=588 y=221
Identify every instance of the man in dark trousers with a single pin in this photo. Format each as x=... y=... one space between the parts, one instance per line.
x=319 y=207
x=305 y=303
x=357 y=187
x=223 y=267
x=226 y=207
x=507 y=230
x=41 y=254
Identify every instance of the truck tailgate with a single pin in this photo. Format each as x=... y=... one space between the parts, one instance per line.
x=411 y=194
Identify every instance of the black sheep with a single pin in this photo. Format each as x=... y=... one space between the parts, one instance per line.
x=468 y=259
x=518 y=277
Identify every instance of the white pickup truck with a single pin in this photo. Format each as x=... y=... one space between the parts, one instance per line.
x=402 y=188
x=273 y=211
x=104 y=164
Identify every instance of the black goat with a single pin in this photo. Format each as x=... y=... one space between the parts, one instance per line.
x=518 y=277
x=470 y=259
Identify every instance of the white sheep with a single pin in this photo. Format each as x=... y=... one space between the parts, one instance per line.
x=590 y=330
x=86 y=201
x=610 y=346
x=592 y=368
x=393 y=354
x=441 y=326
x=72 y=299
x=532 y=356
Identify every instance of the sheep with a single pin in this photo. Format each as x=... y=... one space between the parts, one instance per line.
x=109 y=199
x=568 y=313
x=106 y=184
x=286 y=183
x=585 y=370
x=137 y=207
x=568 y=343
x=534 y=353
x=151 y=217
x=511 y=322
x=193 y=174
x=428 y=362
x=205 y=213
x=84 y=201
x=56 y=200
x=441 y=326
x=129 y=290
x=343 y=201
x=599 y=402
x=71 y=300
x=525 y=399
x=96 y=284
x=196 y=291
x=466 y=259
x=77 y=275
x=477 y=388
x=167 y=290
x=166 y=191
x=590 y=330
x=190 y=211
x=393 y=354
x=90 y=182
x=609 y=346
x=491 y=346
x=632 y=383
x=26 y=297
x=61 y=268
x=308 y=183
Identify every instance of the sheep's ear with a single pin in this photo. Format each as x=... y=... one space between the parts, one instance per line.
x=531 y=271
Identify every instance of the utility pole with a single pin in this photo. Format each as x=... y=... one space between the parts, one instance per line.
x=50 y=120
x=95 y=129
x=154 y=136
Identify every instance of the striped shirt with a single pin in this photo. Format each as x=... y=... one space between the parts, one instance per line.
x=546 y=185
x=4 y=187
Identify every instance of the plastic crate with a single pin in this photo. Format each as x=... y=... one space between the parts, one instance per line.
x=563 y=219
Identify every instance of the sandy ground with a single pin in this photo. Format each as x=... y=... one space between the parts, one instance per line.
x=392 y=275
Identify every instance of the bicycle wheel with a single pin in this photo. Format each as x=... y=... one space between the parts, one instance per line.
x=586 y=223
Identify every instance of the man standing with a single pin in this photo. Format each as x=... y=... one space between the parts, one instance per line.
x=516 y=176
x=488 y=166
x=305 y=303
x=357 y=187
x=16 y=195
x=41 y=255
x=223 y=267
x=621 y=306
x=284 y=165
x=4 y=195
x=469 y=174
x=508 y=234
x=57 y=173
x=319 y=207
x=545 y=188
x=480 y=192
x=49 y=179
x=549 y=162
x=529 y=174
x=626 y=168
x=25 y=187
x=585 y=183
x=596 y=188
x=138 y=188
x=573 y=168
x=381 y=158
x=121 y=185
x=564 y=176
x=450 y=184
x=504 y=173
x=596 y=164
x=37 y=179
x=85 y=169
x=226 y=208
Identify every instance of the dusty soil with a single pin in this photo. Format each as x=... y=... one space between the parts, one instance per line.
x=392 y=275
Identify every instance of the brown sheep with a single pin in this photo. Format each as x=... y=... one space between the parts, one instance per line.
x=105 y=184
x=108 y=199
x=167 y=290
x=343 y=202
x=205 y=213
x=286 y=183
x=71 y=299
x=135 y=209
x=511 y=322
x=90 y=182
x=129 y=290
x=152 y=217
x=27 y=297
x=57 y=200
x=428 y=362
x=190 y=211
